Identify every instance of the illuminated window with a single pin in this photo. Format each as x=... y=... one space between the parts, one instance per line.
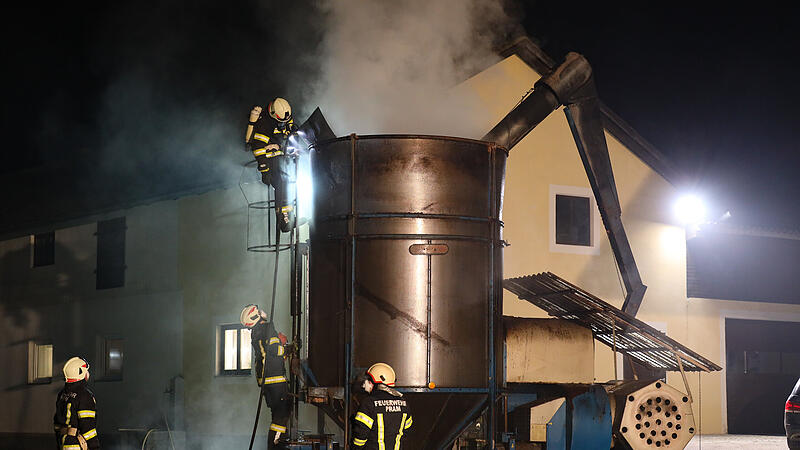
x=40 y=363
x=43 y=249
x=234 y=351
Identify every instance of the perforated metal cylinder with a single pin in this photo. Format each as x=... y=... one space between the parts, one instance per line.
x=650 y=416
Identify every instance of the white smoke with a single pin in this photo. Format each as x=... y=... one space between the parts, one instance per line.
x=389 y=66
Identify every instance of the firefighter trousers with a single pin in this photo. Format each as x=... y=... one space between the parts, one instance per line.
x=279 y=402
x=278 y=172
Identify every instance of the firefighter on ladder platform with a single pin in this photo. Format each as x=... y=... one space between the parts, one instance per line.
x=383 y=420
x=75 y=418
x=267 y=137
x=270 y=349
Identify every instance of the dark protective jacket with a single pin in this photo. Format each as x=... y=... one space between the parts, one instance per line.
x=382 y=422
x=271 y=375
x=270 y=367
x=277 y=169
x=268 y=131
x=76 y=413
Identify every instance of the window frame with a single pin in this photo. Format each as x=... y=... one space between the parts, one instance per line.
x=103 y=369
x=595 y=222
x=221 y=371
x=575 y=204
x=43 y=241
x=33 y=359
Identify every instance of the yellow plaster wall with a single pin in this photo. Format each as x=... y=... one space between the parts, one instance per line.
x=706 y=334
x=548 y=156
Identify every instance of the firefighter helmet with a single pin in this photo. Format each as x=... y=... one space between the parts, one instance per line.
x=76 y=369
x=381 y=373
x=250 y=316
x=280 y=110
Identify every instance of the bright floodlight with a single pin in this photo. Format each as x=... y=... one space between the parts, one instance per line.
x=690 y=210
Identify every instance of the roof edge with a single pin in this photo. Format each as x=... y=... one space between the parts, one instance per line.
x=537 y=59
x=753 y=231
x=85 y=216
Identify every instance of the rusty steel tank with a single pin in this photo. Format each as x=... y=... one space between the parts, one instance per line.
x=405 y=262
x=405 y=267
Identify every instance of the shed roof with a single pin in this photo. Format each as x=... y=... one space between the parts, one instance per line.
x=748 y=264
x=609 y=325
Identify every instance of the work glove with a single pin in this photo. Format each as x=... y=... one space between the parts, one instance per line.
x=292 y=347
x=282 y=337
x=255 y=113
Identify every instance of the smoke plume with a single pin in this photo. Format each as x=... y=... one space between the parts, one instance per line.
x=390 y=66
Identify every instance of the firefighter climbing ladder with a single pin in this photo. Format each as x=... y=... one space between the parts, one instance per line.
x=264 y=236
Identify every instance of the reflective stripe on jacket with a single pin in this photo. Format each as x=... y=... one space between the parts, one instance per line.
x=383 y=422
x=75 y=419
x=269 y=354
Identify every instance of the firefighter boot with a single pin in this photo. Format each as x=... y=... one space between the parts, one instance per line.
x=266 y=177
x=281 y=441
x=286 y=218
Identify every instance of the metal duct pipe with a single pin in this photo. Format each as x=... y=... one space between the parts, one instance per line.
x=563 y=86
x=572 y=85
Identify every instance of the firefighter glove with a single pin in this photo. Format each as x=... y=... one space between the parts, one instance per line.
x=255 y=113
x=292 y=347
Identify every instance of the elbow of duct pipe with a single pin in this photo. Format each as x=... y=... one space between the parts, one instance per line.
x=571 y=81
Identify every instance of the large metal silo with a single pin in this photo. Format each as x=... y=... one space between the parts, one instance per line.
x=405 y=268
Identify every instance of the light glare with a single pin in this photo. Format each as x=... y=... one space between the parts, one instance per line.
x=690 y=210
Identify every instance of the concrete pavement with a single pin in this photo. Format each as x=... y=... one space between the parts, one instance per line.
x=737 y=442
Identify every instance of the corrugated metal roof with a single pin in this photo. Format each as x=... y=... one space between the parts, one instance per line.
x=610 y=325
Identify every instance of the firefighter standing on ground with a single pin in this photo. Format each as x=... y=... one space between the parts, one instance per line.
x=383 y=420
x=268 y=345
x=267 y=137
x=75 y=419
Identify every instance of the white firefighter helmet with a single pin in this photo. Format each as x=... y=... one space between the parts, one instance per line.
x=250 y=316
x=280 y=110
x=381 y=373
x=76 y=369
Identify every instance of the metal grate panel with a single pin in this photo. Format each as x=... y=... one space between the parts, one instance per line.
x=610 y=325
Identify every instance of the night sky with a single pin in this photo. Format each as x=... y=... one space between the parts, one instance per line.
x=711 y=87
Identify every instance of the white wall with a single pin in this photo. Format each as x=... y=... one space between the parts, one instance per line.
x=219 y=277
x=59 y=304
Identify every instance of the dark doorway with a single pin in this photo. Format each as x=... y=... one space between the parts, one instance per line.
x=763 y=363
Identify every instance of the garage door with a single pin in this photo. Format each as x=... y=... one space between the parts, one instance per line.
x=762 y=363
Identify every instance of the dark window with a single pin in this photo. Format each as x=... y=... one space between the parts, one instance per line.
x=234 y=352
x=111 y=253
x=573 y=223
x=44 y=249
